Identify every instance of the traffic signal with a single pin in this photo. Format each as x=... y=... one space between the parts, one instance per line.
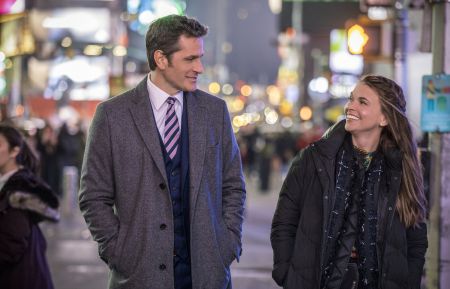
x=356 y=39
x=364 y=37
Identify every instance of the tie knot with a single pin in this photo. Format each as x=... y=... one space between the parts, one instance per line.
x=170 y=100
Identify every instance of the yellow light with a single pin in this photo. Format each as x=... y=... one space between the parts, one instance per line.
x=214 y=87
x=274 y=94
x=237 y=105
x=356 y=39
x=246 y=90
x=241 y=120
x=272 y=117
x=120 y=50
x=66 y=42
x=333 y=113
x=255 y=117
x=237 y=121
x=305 y=113
x=286 y=108
x=92 y=50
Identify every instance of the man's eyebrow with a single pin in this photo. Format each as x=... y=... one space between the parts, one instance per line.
x=194 y=56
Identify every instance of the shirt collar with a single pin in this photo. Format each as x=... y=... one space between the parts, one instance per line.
x=158 y=97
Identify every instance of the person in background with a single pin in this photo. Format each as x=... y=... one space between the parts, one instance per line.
x=351 y=212
x=70 y=145
x=25 y=200
x=47 y=147
x=162 y=189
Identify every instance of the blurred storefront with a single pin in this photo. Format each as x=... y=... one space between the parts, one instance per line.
x=16 y=44
x=55 y=54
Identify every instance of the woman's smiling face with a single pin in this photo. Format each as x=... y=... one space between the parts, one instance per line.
x=363 y=112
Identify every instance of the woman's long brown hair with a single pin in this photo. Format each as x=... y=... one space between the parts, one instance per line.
x=411 y=201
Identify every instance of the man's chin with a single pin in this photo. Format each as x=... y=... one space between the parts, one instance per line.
x=190 y=88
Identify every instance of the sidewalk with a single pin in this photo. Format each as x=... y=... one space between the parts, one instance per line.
x=254 y=271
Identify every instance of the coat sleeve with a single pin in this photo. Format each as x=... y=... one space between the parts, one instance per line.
x=96 y=196
x=416 y=238
x=233 y=185
x=286 y=218
x=15 y=231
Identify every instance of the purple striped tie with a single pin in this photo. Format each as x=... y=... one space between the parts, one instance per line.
x=171 y=129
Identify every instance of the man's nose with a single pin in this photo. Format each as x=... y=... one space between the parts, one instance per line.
x=198 y=66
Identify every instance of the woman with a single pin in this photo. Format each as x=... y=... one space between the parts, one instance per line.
x=24 y=202
x=351 y=211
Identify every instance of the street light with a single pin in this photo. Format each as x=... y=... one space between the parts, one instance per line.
x=356 y=39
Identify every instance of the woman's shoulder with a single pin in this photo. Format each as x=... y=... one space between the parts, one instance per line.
x=24 y=190
x=305 y=155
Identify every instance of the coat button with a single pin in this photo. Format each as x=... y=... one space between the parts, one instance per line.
x=162 y=186
x=163 y=226
x=390 y=208
x=162 y=267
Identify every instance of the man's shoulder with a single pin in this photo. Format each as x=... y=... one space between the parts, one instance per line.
x=120 y=100
x=207 y=98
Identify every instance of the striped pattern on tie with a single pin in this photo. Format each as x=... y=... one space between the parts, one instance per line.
x=171 y=129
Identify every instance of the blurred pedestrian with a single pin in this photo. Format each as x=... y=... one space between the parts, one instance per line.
x=47 y=146
x=24 y=201
x=351 y=211
x=285 y=150
x=162 y=189
x=71 y=142
x=70 y=149
x=265 y=159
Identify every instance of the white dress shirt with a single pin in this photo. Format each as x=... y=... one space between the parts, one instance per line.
x=158 y=99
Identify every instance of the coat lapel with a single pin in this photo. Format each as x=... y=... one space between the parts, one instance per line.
x=197 y=143
x=142 y=113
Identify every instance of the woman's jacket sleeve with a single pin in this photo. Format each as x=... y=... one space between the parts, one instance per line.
x=286 y=218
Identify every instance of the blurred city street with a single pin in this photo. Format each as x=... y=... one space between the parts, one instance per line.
x=287 y=71
x=75 y=264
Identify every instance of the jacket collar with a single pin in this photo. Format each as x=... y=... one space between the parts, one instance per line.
x=332 y=140
x=25 y=191
x=197 y=127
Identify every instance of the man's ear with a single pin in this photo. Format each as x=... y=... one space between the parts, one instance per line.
x=160 y=59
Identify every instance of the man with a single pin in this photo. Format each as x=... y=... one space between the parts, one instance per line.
x=162 y=189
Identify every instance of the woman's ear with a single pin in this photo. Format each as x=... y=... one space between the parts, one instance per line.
x=383 y=121
x=14 y=152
